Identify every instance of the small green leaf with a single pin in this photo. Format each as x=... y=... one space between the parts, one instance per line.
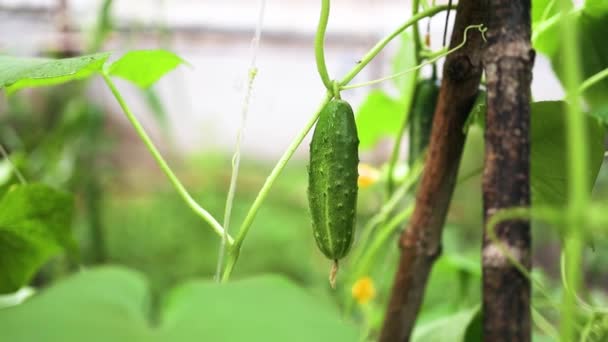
x=112 y=304
x=145 y=67
x=18 y=73
x=35 y=225
x=378 y=116
x=464 y=326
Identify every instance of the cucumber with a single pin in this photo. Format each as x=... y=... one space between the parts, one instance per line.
x=421 y=118
x=332 y=179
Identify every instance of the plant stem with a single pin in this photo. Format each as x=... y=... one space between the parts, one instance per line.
x=385 y=211
x=416 y=32
x=246 y=225
x=319 y=45
x=436 y=56
x=369 y=56
x=181 y=190
x=381 y=238
x=593 y=80
x=573 y=259
x=578 y=184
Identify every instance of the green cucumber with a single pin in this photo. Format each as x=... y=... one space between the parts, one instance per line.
x=421 y=118
x=332 y=179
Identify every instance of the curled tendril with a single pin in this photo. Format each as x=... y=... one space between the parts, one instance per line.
x=480 y=27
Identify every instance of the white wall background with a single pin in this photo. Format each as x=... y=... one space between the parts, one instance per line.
x=204 y=102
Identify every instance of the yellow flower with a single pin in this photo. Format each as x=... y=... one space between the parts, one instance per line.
x=363 y=290
x=368 y=175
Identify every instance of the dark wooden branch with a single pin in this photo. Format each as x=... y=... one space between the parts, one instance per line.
x=508 y=60
x=420 y=243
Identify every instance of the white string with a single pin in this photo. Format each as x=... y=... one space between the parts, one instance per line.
x=236 y=159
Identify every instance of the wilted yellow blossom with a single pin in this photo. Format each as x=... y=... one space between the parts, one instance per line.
x=363 y=290
x=368 y=175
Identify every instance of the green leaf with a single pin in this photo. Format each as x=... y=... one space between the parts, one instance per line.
x=35 y=225
x=601 y=114
x=549 y=159
x=270 y=308
x=548 y=163
x=145 y=67
x=112 y=304
x=378 y=116
x=596 y=7
x=464 y=326
x=544 y=9
x=592 y=28
x=477 y=116
x=17 y=73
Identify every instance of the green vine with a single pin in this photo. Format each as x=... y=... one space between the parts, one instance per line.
x=181 y=190
x=390 y=184
x=371 y=54
x=578 y=183
x=434 y=59
x=320 y=45
x=591 y=81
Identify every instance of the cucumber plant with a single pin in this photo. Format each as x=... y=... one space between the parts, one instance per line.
x=334 y=158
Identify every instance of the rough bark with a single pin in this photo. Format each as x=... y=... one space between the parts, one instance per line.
x=508 y=60
x=420 y=243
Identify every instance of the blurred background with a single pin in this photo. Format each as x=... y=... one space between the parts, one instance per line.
x=75 y=137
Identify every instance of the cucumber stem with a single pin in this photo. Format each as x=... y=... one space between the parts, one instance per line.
x=333 y=273
x=319 y=45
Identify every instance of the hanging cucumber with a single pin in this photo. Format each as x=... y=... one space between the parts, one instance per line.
x=332 y=179
x=421 y=118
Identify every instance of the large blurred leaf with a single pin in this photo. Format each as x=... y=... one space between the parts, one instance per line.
x=35 y=225
x=145 y=67
x=17 y=73
x=378 y=116
x=266 y=308
x=592 y=27
x=464 y=326
x=111 y=304
x=545 y=9
x=596 y=7
x=454 y=285
x=549 y=174
x=549 y=160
